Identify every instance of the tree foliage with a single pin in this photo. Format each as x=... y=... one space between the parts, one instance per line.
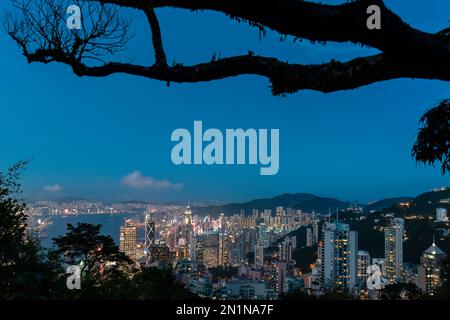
x=401 y=291
x=25 y=272
x=433 y=139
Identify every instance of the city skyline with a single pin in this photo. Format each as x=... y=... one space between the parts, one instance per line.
x=274 y=253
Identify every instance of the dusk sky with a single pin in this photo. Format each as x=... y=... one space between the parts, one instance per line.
x=109 y=138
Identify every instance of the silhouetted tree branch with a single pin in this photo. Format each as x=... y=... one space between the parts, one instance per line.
x=406 y=52
x=41 y=31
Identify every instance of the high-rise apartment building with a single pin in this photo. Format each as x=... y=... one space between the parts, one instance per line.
x=393 y=249
x=338 y=260
x=285 y=249
x=363 y=264
x=259 y=256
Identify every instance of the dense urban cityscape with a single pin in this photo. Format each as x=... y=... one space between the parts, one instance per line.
x=251 y=255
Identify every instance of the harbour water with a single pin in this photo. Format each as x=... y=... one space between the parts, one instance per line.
x=110 y=225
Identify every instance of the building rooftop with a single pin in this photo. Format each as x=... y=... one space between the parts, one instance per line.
x=434 y=249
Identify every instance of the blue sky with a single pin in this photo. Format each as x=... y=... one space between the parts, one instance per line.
x=87 y=134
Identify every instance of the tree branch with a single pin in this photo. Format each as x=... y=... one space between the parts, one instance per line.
x=406 y=52
x=284 y=77
x=314 y=21
x=160 y=55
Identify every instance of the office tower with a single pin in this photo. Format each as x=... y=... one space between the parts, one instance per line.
x=161 y=254
x=393 y=249
x=211 y=249
x=363 y=264
x=294 y=242
x=183 y=250
x=128 y=240
x=309 y=237
x=267 y=217
x=199 y=249
x=224 y=249
x=441 y=215
x=429 y=272
x=262 y=235
x=338 y=261
x=285 y=250
x=185 y=236
x=259 y=256
x=315 y=230
x=187 y=217
x=222 y=222
x=149 y=239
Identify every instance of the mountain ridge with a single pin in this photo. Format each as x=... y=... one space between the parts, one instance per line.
x=307 y=202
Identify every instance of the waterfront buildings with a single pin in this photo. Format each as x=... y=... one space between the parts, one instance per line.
x=127 y=243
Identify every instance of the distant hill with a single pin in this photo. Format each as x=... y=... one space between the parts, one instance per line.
x=304 y=201
x=432 y=197
x=425 y=204
x=419 y=224
x=386 y=203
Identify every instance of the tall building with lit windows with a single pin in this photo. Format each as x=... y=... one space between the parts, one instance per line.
x=429 y=271
x=363 y=264
x=259 y=256
x=185 y=237
x=393 y=249
x=128 y=240
x=149 y=238
x=338 y=260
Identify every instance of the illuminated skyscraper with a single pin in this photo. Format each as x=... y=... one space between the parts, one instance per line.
x=429 y=271
x=285 y=249
x=393 y=249
x=186 y=235
x=262 y=235
x=199 y=249
x=161 y=254
x=211 y=249
x=149 y=239
x=187 y=216
x=224 y=249
x=259 y=256
x=309 y=237
x=338 y=261
x=128 y=240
